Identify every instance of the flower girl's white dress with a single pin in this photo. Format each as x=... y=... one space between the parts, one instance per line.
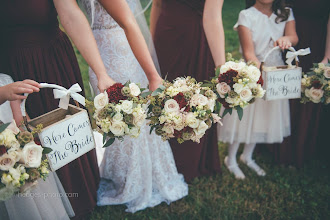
x=47 y=200
x=263 y=121
x=139 y=172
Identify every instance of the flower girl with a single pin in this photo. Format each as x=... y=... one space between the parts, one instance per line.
x=263 y=25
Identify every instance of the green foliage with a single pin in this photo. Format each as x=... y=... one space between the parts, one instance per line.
x=3 y=127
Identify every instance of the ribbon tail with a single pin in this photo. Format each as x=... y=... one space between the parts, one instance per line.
x=64 y=102
x=79 y=98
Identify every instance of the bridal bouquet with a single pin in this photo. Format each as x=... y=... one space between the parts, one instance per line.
x=120 y=111
x=21 y=163
x=315 y=85
x=182 y=110
x=237 y=85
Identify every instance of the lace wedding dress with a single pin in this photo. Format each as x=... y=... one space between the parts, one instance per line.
x=139 y=172
x=46 y=201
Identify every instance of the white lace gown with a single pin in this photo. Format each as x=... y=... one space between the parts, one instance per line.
x=139 y=172
x=263 y=121
x=48 y=200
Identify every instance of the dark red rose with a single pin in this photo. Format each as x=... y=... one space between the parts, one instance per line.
x=3 y=150
x=114 y=93
x=37 y=141
x=178 y=134
x=316 y=84
x=228 y=77
x=180 y=100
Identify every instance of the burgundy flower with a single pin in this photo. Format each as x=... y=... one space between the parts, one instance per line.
x=178 y=134
x=114 y=93
x=180 y=100
x=224 y=103
x=316 y=84
x=37 y=141
x=3 y=150
x=228 y=77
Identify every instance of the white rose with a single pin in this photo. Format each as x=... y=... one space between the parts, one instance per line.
x=171 y=106
x=15 y=153
x=224 y=68
x=118 y=128
x=222 y=89
x=8 y=139
x=127 y=106
x=134 y=89
x=7 y=162
x=253 y=73
x=191 y=120
x=202 y=127
x=246 y=95
x=238 y=87
x=168 y=128
x=138 y=118
x=134 y=132
x=211 y=104
x=31 y=155
x=101 y=100
x=202 y=100
x=314 y=94
x=118 y=108
x=15 y=173
x=171 y=91
x=162 y=119
x=327 y=72
x=117 y=117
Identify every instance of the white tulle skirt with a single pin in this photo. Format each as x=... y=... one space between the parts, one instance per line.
x=262 y=122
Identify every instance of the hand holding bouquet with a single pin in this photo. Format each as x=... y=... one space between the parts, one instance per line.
x=182 y=110
x=315 y=85
x=21 y=163
x=120 y=111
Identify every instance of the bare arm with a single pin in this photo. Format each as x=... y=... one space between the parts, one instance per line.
x=154 y=15
x=290 y=37
x=327 y=45
x=77 y=27
x=120 y=11
x=245 y=38
x=212 y=22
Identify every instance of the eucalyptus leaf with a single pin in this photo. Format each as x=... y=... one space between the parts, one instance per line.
x=145 y=94
x=226 y=111
x=109 y=142
x=239 y=112
x=3 y=127
x=46 y=150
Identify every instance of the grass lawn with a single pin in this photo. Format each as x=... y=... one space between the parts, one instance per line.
x=285 y=193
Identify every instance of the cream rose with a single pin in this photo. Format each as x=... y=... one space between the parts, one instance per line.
x=315 y=95
x=15 y=153
x=118 y=128
x=246 y=95
x=134 y=132
x=222 y=89
x=7 y=161
x=168 y=128
x=191 y=120
x=31 y=155
x=15 y=173
x=117 y=117
x=211 y=104
x=138 y=118
x=253 y=73
x=202 y=127
x=127 y=106
x=327 y=72
x=238 y=87
x=101 y=100
x=134 y=89
x=171 y=106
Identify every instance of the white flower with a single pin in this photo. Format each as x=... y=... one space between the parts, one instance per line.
x=6 y=178
x=31 y=155
x=15 y=173
x=222 y=89
x=134 y=89
x=117 y=117
x=238 y=87
x=327 y=72
x=15 y=153
x=216 y=118
x=25 y=176
x=44 y=170
x=127 y=106
x=162 y=119
x=171 y=91
x=8 y=139
x=168 y=128
x=118 y=128
x=211 y=104
x=246 y=95
x=101 y=100
x=202 y=127
x=139 y=117
x=171 y=106
x=7 y=162
x=315 y=95
x=13 y=127
x=253 y=73
x=118 y=108
x=191 y=120
x=198 y=99
x=134 y=132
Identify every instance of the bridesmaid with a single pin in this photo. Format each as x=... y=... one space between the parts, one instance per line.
x=309 y=122
x=33 y=46
x=189 y=40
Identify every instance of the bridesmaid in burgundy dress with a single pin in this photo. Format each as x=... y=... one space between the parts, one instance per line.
x=189 y=42
x=309 y=122
x=33 y=47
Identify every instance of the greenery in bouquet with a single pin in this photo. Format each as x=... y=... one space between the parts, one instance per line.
x=315 y=85
x=237 y=84
x=120 y=111
x=182 y=110
x=21 y=160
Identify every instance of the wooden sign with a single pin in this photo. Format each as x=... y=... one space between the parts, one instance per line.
x=282 y=83
x=68 y=133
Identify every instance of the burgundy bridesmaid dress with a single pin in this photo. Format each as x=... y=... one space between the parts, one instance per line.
x=33 y=47
x=183 y=50
x=309 y=122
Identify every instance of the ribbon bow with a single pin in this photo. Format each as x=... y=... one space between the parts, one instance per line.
x=65 y=94
x=294 y=55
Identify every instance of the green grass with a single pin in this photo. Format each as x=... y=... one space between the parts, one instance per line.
x=285 y=193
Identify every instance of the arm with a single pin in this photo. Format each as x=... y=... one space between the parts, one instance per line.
x=290 y=37
x=245 y=38
x=327 y=45
x=15 y=90
x=212 y=22
x=77 y=27
x=120 y=11
x=154 y=15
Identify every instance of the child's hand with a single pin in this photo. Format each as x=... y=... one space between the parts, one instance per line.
x=283 y=42
x=15 y=91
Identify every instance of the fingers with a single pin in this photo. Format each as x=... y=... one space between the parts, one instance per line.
x=17 y=97
x=32 y=85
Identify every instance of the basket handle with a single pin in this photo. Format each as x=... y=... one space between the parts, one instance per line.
x=271 y=51
x=59 y=93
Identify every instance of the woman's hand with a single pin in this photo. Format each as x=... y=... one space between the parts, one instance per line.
x=283 y=42
x=104 y=82
x=155 y=83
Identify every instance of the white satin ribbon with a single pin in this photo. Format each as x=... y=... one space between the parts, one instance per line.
x=290 y=55
x=65 y=94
